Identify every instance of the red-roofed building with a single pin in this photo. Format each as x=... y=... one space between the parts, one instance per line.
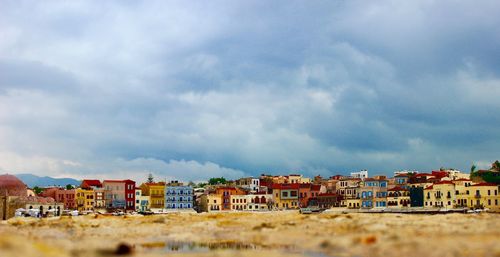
x=441 y=194
x=119 y=194
x=325 y=200
x=398 y=197
x=484 y=195
x=91 y=184
x=286 y=196
x=226 y=193
x=61 y=195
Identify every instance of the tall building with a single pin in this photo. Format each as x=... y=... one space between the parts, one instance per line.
x=119 y=194
x=156 y=193
x=178 y=196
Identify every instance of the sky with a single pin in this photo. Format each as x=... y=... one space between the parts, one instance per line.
x=190 y=90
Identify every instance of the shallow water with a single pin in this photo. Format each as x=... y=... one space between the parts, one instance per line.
x=194 y=247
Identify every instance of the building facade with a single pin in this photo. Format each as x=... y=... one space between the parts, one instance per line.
x=373 y=193
x=84 y=199
x=178 y=196
x=156 y=193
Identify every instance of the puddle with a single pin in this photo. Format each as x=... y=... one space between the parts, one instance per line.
x=174 y=246
x=193 y=247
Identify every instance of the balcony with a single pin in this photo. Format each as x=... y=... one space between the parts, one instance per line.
x=156 y=195
x=477 y=196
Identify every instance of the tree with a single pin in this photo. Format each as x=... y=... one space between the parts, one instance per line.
x=472 y=169
x=69 y=187
x=217 y=181
x=496 y=166
x=150 y=178
x=201 y=185
x=191 y=183
x=37 y=190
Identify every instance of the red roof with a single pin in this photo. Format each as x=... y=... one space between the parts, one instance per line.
x=305 y=185
x=423 y=175
x=402 y=175
x=285 y=186
x=397 y=188
x=91 y=183
x=484 y=184
x=316 y=187
x=429 y=187
x=439 y=174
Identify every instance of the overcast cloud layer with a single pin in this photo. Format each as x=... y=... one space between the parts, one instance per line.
x=191 y=90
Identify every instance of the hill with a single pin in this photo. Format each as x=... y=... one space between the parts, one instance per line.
x=34 y=180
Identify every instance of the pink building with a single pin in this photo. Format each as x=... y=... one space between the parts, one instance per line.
x=60 y=195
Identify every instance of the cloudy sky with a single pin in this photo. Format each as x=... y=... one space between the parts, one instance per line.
x=196 y=89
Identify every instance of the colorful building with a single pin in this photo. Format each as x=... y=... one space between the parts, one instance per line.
x=142 y=202
x=156 y=193
x=211 y=202
x=226 y=193
x=398 y=197
x=373 y=192
x=462 y=192
x=61 y=195
x=114 y=194
x=286 y=196
x=326 y=200
x=178 y=196
x=96 y=186
x=240 y=202
x=306 y=192
x=484 y=195
x=260 y=202
x=348 y=189
x=84 y=199
x=440 y=195
x=251 y=184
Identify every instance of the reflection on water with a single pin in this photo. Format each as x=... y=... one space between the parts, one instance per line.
x=193 y=247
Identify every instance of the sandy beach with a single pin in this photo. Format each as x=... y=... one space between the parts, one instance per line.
x=254 y=234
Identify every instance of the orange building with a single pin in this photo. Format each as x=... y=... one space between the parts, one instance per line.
x=226 y=193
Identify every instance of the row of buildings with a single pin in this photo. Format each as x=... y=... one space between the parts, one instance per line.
x=406 y=189
x=123 y=195
x=439 y=189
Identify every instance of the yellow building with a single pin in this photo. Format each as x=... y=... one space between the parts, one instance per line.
x=398 y=197
x=484 y=195
x=440 y=195
x=353 y=203
x=84 y=199
x=156 y=193
x=214 y=202
x=286 y=196
x=462 y=192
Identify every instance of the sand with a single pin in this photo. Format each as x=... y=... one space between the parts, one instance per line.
x=254 y=234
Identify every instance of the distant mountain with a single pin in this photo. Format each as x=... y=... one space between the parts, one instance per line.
x=33 y=180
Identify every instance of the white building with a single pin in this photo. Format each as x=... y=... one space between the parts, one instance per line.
x=363 y=174
x=405 y=172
